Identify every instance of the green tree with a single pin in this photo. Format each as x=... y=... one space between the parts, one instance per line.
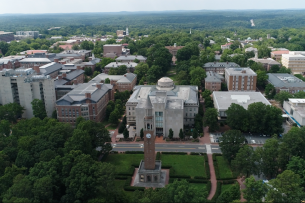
x=126 y=133
x=11 y=112
x=80 y=140
x=171 y=134
x=283 y=69
x=235 y=45
x=270 y=91
x=274 y=69
x=107 y=81
x=283 y=96
x=255 y=190
x=141 y=133
x=79 y=120
x=210 y=119
x=195 y=133
x=153 y=74
x=121 y=70
x=237 y=117
x=256 y=120
x=230 y=143
x=261 y=78
x=285 y=188
x=54 y=114
x=206 y=93
x=39 y=110
x=244 y=162
x=297 y=165
x=114 y=116
x=187 y=52
x=181 y=134
x=5 y=127
x=229 y=195
x=87 y=45
x=43 y=190
x=197 y=75
x=113 y=71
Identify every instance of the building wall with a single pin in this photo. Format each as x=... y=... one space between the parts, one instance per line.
x=295 y=64
x=241 y=82
x=31 y=64
x=173 y=120
x=213 y=86
x=123 y=60
x=112 y=49
x=7 y=37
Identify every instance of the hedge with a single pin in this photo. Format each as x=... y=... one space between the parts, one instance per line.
x=114 y=152
x=225 y=182
x=176 y=153
x=194 y=153
x=218 y=192
x=171 y=180
x=134 y=152
x=207 y=166
x=158 y=157
x=121 y=177
x=180 y=176
x=136 y=165
x=208 y=187
x=199 y=177
x=166 y=166
x=197 y=181
x=132 y=188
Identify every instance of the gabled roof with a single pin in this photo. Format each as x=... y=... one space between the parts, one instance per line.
x=50 y=68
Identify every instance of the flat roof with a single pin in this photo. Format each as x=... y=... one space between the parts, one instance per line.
x=223 y=100
x=285 y=80
x=240 y=71
x=299 y=101
x=45 y=60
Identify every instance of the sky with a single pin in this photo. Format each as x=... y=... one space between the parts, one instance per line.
x=78 y=6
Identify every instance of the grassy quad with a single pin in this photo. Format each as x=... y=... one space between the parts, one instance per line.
x=224 y=168
x=185 y=164
x=123 y=162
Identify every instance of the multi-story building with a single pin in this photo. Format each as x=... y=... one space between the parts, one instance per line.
x=240 y=79
x=6 y=36
x=51 y=69
x=223 y=100
x=71 y=78
x=9 y=64
x=112 y=50
x=119 y=82
x=266 y=62
x=277 y=55
x=31 y=62
x=130 y=66
x=130 y=58
x=173 y=50
x=22 y=86
x=27 y=34
x=295 y=61
x=295 y=109
x=286 y=82
x=213 y=81
x=120 y=32
x=91 y=63
x=162 y=107
x=219 y=67
x=88 y=100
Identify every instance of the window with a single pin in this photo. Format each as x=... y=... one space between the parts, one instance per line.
x=159 y=119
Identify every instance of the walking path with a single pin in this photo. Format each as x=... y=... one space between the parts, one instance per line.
x=242 y=186
x=213 y=178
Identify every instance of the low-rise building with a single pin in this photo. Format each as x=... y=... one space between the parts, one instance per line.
x=9 y=64
x=88 y=100
x=130 y=66
x=22 y=86
x=240 y=79
x=295 y=61
x=91 y=63
x=162 y=107
x=219 y=67
x=31 y=62
x=130 y=58
x=73 y=77
x=173 y=50
x=112 y=50
x=249 y=49
x=213 y=81
x=51 y=69
x=286 y=82
x=277 y=55
x=119 y=82
x=266 y=62
x=223 y=100
x=226 y=46
x=27 y=34
x=295 y=109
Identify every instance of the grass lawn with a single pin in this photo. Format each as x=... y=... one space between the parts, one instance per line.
x=123 y=162
x=224 y=168
x=185 y=164
x=120 y=185
x=112 y=127
x=201 y=186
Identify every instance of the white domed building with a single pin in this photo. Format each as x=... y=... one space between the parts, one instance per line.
x=161 y=107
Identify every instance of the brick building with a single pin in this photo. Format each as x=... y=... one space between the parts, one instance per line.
x=30 y=62
x=173 y=50
x=51 y=69
x=240 y=79
x=277 y=55
x=219 y=67
x=213 y=81
x=119 y=82
x=112 y=50
x=7 y=64
x=6 y=36
x=88 y=100
x=130 y=66
x=266 y=62
x=131 y=58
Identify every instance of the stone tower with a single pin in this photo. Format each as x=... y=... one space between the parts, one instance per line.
x=149 y=150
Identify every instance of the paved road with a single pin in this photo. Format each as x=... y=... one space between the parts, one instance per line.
x=169 y=148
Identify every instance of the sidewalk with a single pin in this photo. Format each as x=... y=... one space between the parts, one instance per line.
x=213 y=178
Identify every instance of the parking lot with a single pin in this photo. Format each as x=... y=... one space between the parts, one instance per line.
x=250 y=138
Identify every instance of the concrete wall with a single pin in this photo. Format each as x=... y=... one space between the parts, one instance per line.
x=173 y=120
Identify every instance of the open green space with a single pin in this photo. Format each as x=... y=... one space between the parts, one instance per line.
x=112 y=127
x=185 y=164
x=123 y=162
x=224 y=168
x=200 y=186
x=225 y=187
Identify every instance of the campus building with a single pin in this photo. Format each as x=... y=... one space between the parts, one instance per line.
x=174 y=50
x=213 y=81
x=130 y=66
x=295 y=109
x=219 y=67
x=240 y=79
x=295 y=61
x=223 y=100
x=6 y=36
x=164 y=106
x=22 y=86
x=266 y=62
x=131 y=58
x=88 y=100
x=286 y=82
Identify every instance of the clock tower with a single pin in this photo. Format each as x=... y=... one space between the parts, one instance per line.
x=149 y=150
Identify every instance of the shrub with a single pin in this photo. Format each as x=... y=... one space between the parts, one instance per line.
x=158 y=157
x=114 y=152
x=132 y=188
x=199 y=177
x=218 y=192
x=166 y=166
x=180 y=176
x=198 y=181
x=134 y=152
x=208 y=187
x=127 y=173
x=121 y=128
x=206 y=165
x=121 y=177
x=194 y=153
x=176 y=153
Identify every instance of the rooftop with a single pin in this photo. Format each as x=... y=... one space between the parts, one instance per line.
x=265 y=60
x=50 y=68
x=35 y=60
x=280 y=52
x=118 y=64
x=297 y=101
x=213 y=77
x=225 y=99
x=113 y=45
x=220 y=64
x=130 y=57
x=126 y=78
x=240 y=71
x=285 y=80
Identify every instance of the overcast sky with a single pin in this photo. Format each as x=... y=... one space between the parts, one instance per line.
x=75 y=6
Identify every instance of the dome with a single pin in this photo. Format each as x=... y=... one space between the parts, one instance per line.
x=165 y=83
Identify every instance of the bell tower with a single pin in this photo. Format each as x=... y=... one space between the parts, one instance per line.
x=149 y=150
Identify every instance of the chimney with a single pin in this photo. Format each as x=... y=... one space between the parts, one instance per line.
x=64 y=75
x=75 y=82
x=88 y=95
x=56 y=60
x=36 y=69
x=59 y=77
x=63 y=62
x=99 y=86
